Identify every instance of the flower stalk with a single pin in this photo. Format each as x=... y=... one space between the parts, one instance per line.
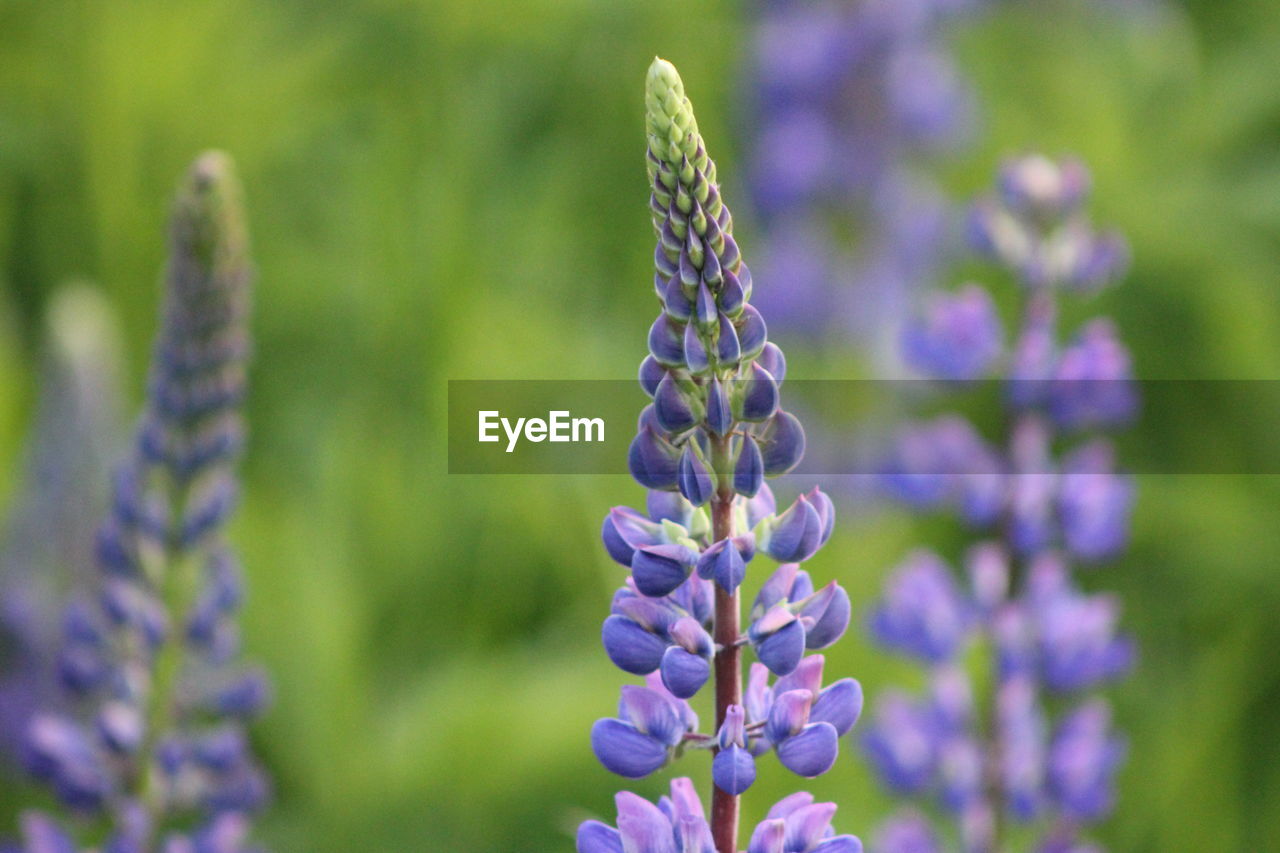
x=1001 y=761
x=705 y=444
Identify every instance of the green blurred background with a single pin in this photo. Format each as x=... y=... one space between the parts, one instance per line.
x=455 y=190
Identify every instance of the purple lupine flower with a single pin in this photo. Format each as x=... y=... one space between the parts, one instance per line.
x=923 y=612
x=651 y=723
x=1093 y=380
x=48 y=537
x=678 y=824
x=908 y=832
x=1047 y=505
x=714 y=431
x=957 y=337
x=1082 y=762
x=1077 y=638
x=150 y=657
x=1094 y=502
x=734 y=768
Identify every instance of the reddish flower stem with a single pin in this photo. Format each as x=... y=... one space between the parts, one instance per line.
x=728 y=662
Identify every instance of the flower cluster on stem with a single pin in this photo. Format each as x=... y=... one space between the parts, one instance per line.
x=1032 y=759
x=713 y=431
x=154 y=756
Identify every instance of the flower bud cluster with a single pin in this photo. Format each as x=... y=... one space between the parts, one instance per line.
x=711 y=370
x=157 y=745
x=1007 y=755
x=705 y=444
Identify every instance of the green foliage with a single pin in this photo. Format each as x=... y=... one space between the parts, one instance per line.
x=452 y=190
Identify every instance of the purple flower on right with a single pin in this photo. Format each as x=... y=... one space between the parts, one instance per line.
x=1044 y=497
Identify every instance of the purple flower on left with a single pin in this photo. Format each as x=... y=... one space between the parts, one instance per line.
x=152 y=754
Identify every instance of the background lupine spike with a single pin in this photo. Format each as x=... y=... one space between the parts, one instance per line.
x=151 y=658
x=45 y=554
x=1041 y=634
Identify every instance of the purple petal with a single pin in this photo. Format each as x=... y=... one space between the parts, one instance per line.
x=806 y=676
x=652 y=712
x=642 y=826
x=719 y=415
x=807 y=825
x=684 y=673
x=728 y=347
x=652 y=460
x=772 y=360
x=769 y=837
x=651 y=374
x=789 y=715
x=733 y=770
x=760 y=397
x=695 y=351
x=748 y=470
x=659 y=569
x=812 y=752
x=797 y=533
x=624 y=530
x=834 y=613
x=671 y=407
x=695 y=481
x=625 y=750
x=732 y=296
x=596 y=837
x=782 y=444
x=840 y=704
x=631 y=648
x=666 y=342
x=752 y=334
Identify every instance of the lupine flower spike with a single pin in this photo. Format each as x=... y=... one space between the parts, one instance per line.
x=850 y=100
x=47 y=544
x=156 y=751
x=714 y=431
x=1038 y=516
